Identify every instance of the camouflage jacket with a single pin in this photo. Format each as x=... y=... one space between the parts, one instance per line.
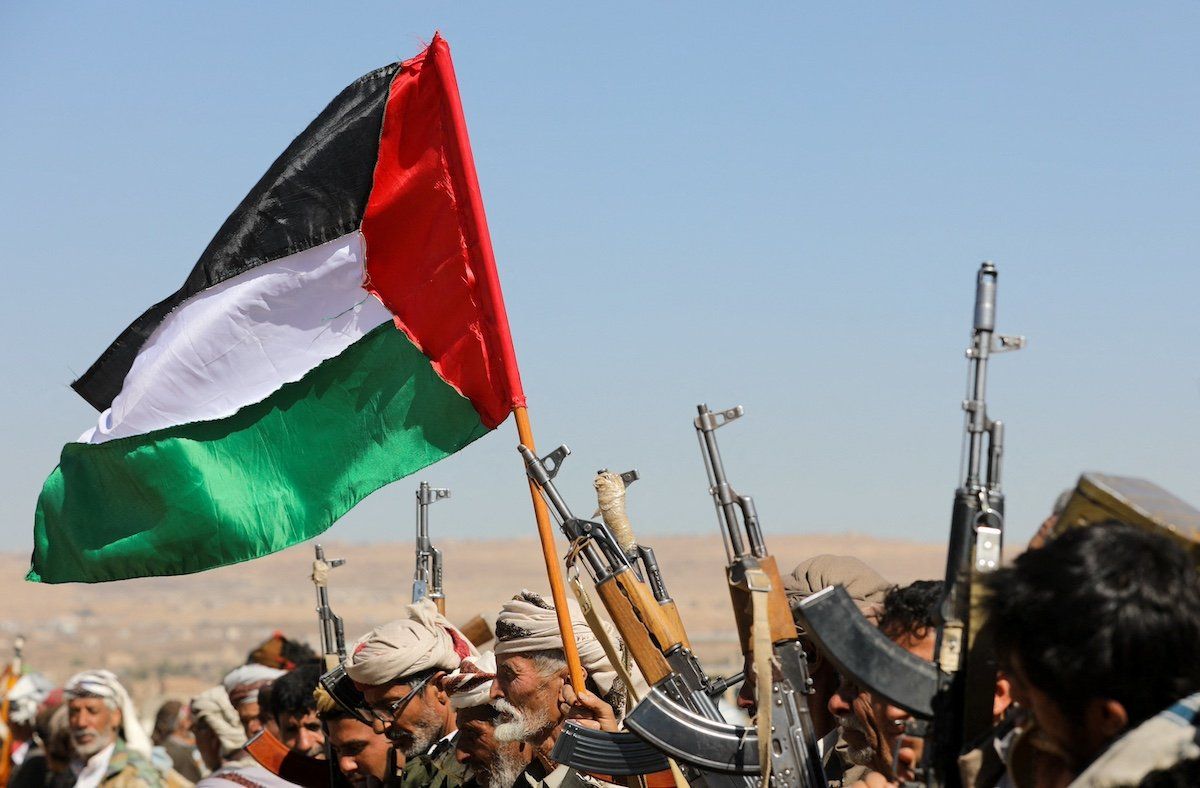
x=437 y=769
x=129 y=769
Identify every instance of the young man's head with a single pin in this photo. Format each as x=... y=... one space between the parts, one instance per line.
x=294 y=710
x=359 y=752
x=1098 y=630
x=870 y=726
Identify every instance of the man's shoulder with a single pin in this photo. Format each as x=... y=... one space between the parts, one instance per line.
x=440 y=769
x=130 y=769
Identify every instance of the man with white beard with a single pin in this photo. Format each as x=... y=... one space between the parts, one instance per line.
x=531 y=688
x=111 y=748
x=397 y=667
x=494 y=763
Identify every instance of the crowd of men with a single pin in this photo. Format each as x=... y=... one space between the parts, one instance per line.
x=1097 y=633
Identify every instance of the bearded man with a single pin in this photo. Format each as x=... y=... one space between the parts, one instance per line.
x=111 y=748
x=867 y=588
x=244 y=685
x=397 y=666
x=531 y=688
x=493 y=763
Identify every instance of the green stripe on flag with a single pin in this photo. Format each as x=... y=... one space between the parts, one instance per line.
x=206 y=494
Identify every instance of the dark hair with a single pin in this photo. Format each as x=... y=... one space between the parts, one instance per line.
x=911 y=610
x=166 y=720
x=1183 y=774
x=1109 y=611
x=292 y=693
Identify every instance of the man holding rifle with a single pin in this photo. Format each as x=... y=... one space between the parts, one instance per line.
x=532 y=692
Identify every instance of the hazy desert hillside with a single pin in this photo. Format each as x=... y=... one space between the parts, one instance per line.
x=177 y=635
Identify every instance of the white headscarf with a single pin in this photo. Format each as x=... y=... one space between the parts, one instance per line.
x=214 y=708
x=424 y=640
x=103 y=684
x=528 y=622
x=471 y=684
x=26 y=696
x=243 y=682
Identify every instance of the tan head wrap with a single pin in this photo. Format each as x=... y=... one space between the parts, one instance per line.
x=866 y=586
x=104 y=684
x=424 y=640
x=471 y=684
x=243 y=682
x=528 y=623
x=213 y=707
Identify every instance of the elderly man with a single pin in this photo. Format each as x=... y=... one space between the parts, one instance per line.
x=493 y=763
x=220 y=738
x=244 y=684
x=867 y=588
x=111 y=748
x=531 y=688
x=396 y=666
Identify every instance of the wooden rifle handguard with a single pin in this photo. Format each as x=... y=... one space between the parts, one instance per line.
x=783 y=626
x=639 y=618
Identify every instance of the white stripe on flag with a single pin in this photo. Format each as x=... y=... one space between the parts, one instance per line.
x=238 y=342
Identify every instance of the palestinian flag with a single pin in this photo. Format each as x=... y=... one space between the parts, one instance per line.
x=345 y=328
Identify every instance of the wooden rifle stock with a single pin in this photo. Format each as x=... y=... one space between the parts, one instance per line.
x=277 y=758
x=478 y=631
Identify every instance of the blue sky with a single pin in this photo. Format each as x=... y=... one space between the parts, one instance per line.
x=782 y=207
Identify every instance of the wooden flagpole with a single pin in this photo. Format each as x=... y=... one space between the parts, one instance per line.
x=558 y=590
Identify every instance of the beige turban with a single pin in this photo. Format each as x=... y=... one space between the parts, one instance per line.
x=243 y=682
x=866 y=586
x=424 y=640
x=213 y=707
x=471 y=684
x=103 y=684
x=528 y=623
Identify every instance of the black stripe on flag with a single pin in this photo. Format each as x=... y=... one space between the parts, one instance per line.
x=315 y=191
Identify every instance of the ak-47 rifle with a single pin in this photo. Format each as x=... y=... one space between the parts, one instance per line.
x=427 y=579
x=12 y=674
x=679 y=714
x=428 y=572
x=333 y=634
x=766 y=630
x=955 y=692
x=272 y=754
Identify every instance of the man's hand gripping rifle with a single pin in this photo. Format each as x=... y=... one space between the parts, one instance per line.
x=427 y=579
x=956 y=691
x=766 y=630
x=680 y=709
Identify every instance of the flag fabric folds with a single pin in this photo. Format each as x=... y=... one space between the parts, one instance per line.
x=345 y=328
